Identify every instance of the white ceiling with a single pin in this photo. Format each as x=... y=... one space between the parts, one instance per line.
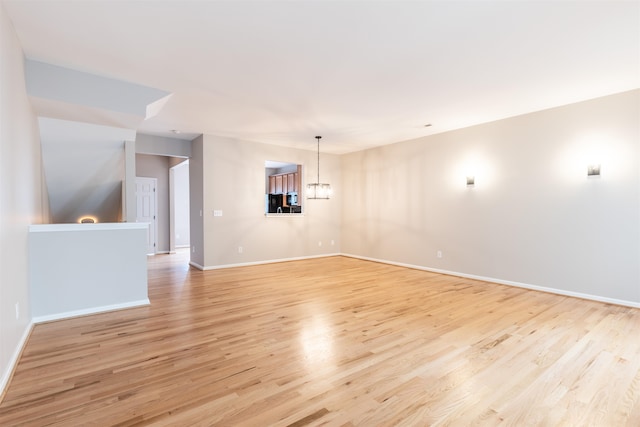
x=359 y=73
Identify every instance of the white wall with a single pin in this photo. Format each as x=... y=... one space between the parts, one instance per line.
x=533 y=217
x=196 y=201
x=84 y=165
x=21 y=197
x=233 y=182
x=162 y=146
x=67 y=87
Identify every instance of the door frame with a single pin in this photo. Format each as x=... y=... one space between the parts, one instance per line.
x=172 y=203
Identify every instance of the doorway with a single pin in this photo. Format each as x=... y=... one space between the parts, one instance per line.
x=147 y=209
x=179 y=226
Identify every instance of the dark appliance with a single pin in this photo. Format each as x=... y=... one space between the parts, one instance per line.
x=275 y=202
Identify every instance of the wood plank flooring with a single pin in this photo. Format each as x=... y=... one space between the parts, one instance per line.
x=332 y=341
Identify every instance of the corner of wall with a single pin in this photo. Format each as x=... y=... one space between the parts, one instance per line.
x=23 y=198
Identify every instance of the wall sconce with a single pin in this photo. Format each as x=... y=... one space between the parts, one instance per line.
x=87 y=220
x=471 y=181
x=593 y=170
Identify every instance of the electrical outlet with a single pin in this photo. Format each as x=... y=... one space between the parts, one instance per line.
x=17 y=311
x=333 y=242
x=439 y=254
x=320 y=243
x=193 y=249
x=240 y=249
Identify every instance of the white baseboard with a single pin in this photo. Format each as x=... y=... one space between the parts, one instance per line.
x=597 y=298
x=13 y=362
x=196 y=265
x=93 y=310
x=269 y=261
x=563 y=292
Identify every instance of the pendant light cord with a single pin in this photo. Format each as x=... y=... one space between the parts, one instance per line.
x=318 y=138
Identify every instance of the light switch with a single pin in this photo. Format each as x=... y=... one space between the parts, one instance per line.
x=217 y=213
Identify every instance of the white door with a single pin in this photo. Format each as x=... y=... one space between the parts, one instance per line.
x=147 y=208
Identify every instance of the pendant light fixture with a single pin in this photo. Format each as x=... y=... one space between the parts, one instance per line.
x=318 y=190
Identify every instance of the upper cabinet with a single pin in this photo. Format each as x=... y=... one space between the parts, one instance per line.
x=278 y=188
x=285 y=183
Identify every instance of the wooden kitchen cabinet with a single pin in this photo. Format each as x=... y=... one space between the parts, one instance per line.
x=291 y=181
x=272 y=184
x=284 y=183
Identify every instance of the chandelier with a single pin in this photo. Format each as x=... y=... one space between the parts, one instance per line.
x=318 y=190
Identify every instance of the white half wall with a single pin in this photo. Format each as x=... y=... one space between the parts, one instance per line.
x=78 y=269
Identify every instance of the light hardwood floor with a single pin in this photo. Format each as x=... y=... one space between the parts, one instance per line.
x=332 y=341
